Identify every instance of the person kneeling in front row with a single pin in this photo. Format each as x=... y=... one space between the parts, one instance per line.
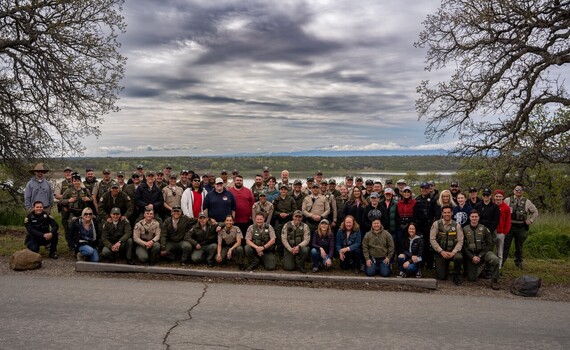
x=409 y=262
x=378 y=247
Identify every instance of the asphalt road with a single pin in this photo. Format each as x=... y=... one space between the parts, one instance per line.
x=101 y=313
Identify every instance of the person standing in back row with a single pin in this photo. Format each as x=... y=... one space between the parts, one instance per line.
x=523 y=214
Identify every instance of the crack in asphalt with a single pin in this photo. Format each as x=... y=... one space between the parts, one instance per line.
x=234 y=346
x=178 y=322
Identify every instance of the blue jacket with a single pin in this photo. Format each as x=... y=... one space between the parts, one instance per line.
x=354 y=240
x=38 y=191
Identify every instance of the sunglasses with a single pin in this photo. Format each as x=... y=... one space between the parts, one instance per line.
x=88 y=214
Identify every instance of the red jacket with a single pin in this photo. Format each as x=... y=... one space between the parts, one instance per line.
x=505 y=219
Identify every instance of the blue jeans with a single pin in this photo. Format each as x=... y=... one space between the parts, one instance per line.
x=379 y=267
x=89 y=252
x=412 y=268
x=316 y=257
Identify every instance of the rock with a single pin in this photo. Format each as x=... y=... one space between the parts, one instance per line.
x=25 y=260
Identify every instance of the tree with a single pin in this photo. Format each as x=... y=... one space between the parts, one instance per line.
x=507 y=96
x=59 y=74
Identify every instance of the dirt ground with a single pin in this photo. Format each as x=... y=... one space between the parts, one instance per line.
x=65 y=266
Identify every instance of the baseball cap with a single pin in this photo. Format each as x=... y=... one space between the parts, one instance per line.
x=297 y=213
x=407 y=188
x=150 y=173
x=176 y=209
x=202 y=215
x=297 y=182
x=115 y=210
x=219 y=180
x=389 y=190
x=374 y=195
x=486 y=191
x=401 y=181
x=332 y=181
x=424 y=185
x=472 y=189
x=369 y=182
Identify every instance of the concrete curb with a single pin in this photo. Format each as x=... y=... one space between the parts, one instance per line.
x=82 y=266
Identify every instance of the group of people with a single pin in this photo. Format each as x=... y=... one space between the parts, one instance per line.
x=367 y=225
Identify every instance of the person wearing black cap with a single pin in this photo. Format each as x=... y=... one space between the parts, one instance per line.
x=360 y=184
x=160 y=181
x=121 y=180
x=424 y=216
x=307 y=189
x=224 y=176
x=130 y=190
x=140 y=171
x=473 y=199
x=117 y=238
x=368 y=189
x=489 y=213
x=283 y=207
x=173 y=236
x=149 y=197
x=332 y=188
x=192 y=202
x=454 y=189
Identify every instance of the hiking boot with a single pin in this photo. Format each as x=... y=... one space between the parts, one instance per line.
x=241 y=267
x=130 y=262
x=53 y=255
x=356 y=270
x=419 y=274
x=495 y=284
x=402 y=274
x=457 y=280
x=315 y=269
x=302 y=269
x=80 y=257
x=252 y=266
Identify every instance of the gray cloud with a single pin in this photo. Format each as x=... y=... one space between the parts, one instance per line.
x=223 y=77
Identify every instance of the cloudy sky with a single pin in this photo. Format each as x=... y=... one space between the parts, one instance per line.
x=227 y=77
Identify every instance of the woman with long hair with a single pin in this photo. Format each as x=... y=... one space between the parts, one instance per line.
x=355 y=206
x=322 y=246
x=349 y=244
x=85 y=237
x=444 y=199
x=410 y=260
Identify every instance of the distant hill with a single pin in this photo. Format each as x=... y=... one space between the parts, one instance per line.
x=332 y=153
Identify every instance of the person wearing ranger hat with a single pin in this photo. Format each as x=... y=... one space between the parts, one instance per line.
x=38 y=189
x=117 y=237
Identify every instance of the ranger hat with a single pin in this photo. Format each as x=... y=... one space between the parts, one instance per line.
x=297 y=213
x=115 y=210
x=39 y=167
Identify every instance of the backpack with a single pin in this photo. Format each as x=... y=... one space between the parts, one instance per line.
x=526 y=286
